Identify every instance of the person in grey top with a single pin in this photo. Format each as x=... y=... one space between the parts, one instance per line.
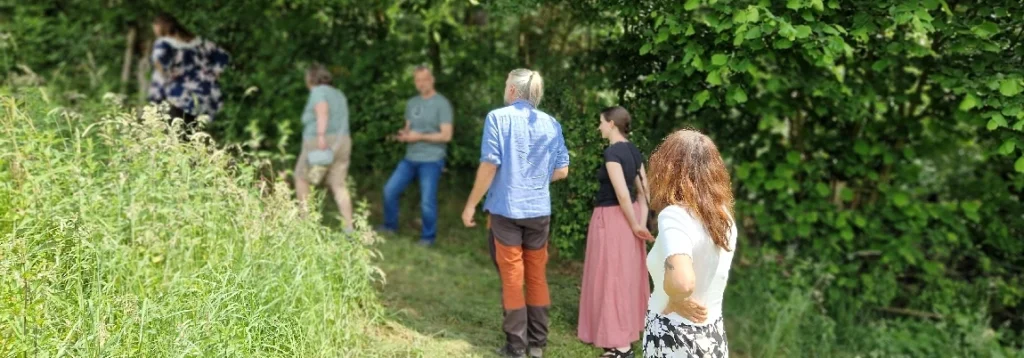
x=428 y=129
x=325 y=127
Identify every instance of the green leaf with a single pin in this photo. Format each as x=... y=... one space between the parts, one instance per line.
x=753 y=33
x=996 y=122
x=753 y=15
x=986 y=29
x=738 y=95
x=691 y=5
x=719 y=59
x=645 y=49
x=794 y=4
x=701 y=97
x=662 y=35
x=818 y=5
x=1009 y=87
x=860 y=221
x=968 y=103
x=846 y=194
x=822 y=189
x=971 y=210
x=900 y=200
x=783 y=44
x=861 y=148
x=739 y=17
x=833 y=4
x=1019 y=165
x=847 y=234
x=1007 y=147
x=803 y=230
x=793 y=158
x=742 y=171
x=714 y=78
x=803 y=31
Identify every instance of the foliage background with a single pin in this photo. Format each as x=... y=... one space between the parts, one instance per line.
x=881 y=139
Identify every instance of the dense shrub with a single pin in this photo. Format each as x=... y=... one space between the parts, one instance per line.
x=877 y=137
x=116 y=240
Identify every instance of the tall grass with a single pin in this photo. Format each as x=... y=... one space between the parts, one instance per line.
x=117 y=240
x=773 y=311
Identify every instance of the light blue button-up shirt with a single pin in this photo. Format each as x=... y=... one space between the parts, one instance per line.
x=527 y=146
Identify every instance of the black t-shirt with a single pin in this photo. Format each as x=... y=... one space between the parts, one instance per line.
x=627 y=155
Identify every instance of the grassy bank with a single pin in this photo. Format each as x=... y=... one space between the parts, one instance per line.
x=117 y=242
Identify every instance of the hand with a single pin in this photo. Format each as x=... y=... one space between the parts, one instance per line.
x=409 y=136
x=467 y=216
x=321 y=142
x=689 y=309
x=642 y=233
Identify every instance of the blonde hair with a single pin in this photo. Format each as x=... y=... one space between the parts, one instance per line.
x=528 y=84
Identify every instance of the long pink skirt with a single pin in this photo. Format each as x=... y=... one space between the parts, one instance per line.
x=613 y=302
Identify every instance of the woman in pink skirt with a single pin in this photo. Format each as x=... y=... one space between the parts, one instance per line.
x=613 y=303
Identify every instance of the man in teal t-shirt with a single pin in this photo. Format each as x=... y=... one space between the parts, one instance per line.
x=428 y=129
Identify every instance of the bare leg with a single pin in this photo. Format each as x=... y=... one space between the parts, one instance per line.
x=344 y=201
x=301 y=192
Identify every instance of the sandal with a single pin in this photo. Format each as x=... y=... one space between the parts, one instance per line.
x=615 y=353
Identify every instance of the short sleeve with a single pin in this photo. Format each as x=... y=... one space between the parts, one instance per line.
x=317 y=95
x=675 y=227
x=163 y=53
x=562 y=153
x=612 y=155
x=445 y=113
x=490 y=144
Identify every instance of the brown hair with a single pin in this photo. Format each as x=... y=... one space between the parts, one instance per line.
x=318 y=74
x=172 y=26
x=688 y=171
x=620 y=116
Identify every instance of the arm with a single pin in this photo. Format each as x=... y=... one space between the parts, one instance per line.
x=621 y=191
x=559 y=174
x=322 y=116
x=490 y=160
x=642 y=194
x=679 y=278
x=484 y=177
x=444 y=136
x=680 y=281
x=561 y=160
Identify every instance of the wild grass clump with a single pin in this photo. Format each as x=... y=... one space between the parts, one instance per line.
x=117 y=240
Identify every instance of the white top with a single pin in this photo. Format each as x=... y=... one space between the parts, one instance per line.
x=680 y=233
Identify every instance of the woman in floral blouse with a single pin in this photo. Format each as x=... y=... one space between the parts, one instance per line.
x=186 y=69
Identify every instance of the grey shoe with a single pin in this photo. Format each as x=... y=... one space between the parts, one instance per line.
x=536 y=352
x=425 y=243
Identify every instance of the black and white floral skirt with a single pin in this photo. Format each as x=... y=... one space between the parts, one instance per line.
x=667 y=337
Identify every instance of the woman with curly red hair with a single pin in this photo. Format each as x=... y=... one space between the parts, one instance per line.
x=690 y=260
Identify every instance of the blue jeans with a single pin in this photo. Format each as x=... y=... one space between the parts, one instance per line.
x=429 y=174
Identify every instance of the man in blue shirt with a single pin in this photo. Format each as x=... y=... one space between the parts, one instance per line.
x=522 y=152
